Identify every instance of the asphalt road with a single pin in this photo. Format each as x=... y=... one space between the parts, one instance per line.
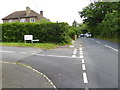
x=91 y=63
x=101 y=59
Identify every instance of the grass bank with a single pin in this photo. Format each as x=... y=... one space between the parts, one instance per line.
x=113 y=39
x=35 y=45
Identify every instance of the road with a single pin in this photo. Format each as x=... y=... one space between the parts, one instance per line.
x=89 y=63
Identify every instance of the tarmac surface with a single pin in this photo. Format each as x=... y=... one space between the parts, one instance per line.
x=89 y=64
x=16 y=75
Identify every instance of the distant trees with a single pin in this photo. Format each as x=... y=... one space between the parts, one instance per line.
x=102 y=18
x=74 y=30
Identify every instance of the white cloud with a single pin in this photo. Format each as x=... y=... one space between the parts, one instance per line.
x=55 y=10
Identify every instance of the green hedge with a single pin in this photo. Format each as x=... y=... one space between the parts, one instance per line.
x=47 y=32
x=0 y=32
x=73 y=31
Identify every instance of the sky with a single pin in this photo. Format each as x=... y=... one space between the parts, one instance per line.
x=55 y=10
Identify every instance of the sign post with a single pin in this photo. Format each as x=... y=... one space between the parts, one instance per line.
x=28 y=37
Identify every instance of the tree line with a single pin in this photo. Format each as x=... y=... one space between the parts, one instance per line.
x=101 y=19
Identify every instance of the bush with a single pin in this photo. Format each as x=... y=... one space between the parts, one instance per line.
x=45 y=32
x=0 y=32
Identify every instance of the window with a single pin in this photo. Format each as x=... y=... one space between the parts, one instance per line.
x=22 y=20
x=10 y=20
x=32 y=19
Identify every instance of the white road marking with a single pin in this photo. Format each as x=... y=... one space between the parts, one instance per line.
x=81 y=53
x=85 y=78
x=80 y=49
x=75 y=51
x=81 y=56
x=6 y=51
x=111 y=48
x=83 y=61
x=73 y=56
x=98 y=42
x=83 y=67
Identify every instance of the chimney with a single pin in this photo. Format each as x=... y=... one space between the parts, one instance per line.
x=41 y=12
x=28 y=11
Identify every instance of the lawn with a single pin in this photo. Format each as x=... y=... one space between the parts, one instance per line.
x=35 y=45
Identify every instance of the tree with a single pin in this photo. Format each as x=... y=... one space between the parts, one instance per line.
x=74 y=23
x=95 y=13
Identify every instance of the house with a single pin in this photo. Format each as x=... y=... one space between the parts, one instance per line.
x=24 y=16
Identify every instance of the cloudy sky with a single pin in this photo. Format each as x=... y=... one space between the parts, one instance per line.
x=55 y=10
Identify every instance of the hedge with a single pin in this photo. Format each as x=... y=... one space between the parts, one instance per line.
x=47 y=32
x=0 y=32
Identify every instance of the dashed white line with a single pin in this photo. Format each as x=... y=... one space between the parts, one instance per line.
x=81 y=53
x=73 y=56
x=98 y=42
x=75 y=51
x=80 y=49
x=111 y=48
x=81 y=56
x=85 y=78
x=83 y=67
x=83 y=61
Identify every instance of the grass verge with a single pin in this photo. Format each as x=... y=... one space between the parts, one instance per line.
x=35 y=45
x=113 y=40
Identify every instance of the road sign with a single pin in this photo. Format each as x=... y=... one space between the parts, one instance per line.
x=28 y=37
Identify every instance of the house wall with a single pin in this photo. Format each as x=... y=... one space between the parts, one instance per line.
x=36 y=20
x=18 y=20
x=13 y=20
x=28 y=20
x=5 y=21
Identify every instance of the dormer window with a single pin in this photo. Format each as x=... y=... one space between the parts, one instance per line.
x=32 y=19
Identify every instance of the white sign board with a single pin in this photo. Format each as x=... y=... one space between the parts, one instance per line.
x=28 y=37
